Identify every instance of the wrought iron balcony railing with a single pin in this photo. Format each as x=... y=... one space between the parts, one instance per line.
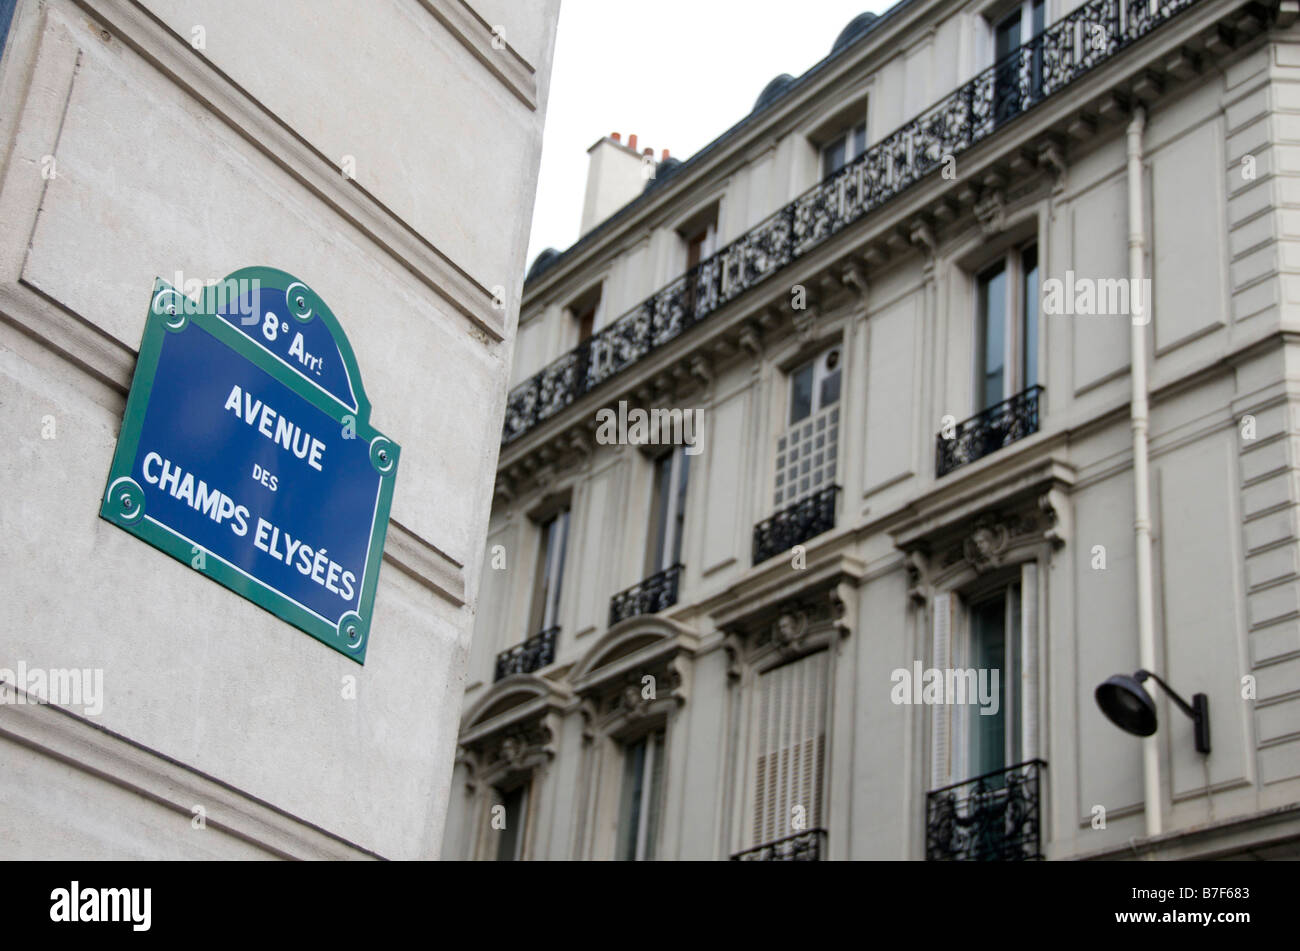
x=806 y=519
x=994 y=817
x=803 y=847
x=533 y=654
x=654 y=594
x=987 y=432
x=1049 y=62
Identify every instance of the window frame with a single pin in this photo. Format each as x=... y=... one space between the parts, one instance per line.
x=1010 y=673
x=548 y=577
x=499 y=797
x=667 y=509
x=655 y=743
x=853 y=138
x=586 y=313
x=1020 y=321
x=820 y=374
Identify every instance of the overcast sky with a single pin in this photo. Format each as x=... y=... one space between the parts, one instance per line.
x=677 y=73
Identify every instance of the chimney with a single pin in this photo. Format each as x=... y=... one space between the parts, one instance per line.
x=616 y=173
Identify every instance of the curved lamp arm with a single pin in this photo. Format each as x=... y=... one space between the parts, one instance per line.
x=1198 y=709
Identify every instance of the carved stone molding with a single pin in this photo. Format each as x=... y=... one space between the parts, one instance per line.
x=805 y=321
x=918 y=578
x=990 y=211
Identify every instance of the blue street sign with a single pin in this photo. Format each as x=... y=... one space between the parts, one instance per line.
x=246 y=451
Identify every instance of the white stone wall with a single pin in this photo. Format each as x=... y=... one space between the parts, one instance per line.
x=170 y=157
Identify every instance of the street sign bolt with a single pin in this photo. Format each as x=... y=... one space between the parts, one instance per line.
x=301 y=302
x=127 y=503
x=383 y=455
x=352 y=630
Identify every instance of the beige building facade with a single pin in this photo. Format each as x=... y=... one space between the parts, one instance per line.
x=987 y=320
x=385 y=154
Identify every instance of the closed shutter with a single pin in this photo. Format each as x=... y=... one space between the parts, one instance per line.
x=790 y=733
x=941 y=714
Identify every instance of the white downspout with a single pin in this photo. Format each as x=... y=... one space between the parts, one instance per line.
x=1139 y=415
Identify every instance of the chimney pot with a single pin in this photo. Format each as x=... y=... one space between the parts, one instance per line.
x=648 y=151
x=665 y=156
x=631 y=141
x=617 y=137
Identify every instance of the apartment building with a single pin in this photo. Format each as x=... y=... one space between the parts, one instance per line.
x=178 y=142
x=989 y=321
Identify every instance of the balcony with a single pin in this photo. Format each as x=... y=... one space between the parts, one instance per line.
x=992 y=818
x=1089 y=36
x=987 y=432
x=654 y=594
x=533 y=654
x=803 y=847
x=806 y=519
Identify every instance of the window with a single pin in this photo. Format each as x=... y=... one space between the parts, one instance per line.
x=588 y=312
x=1020 y=25
x=668 y=511
x=701 y=242
x=550 y=573
x=992 y=628
x=641 y=799
x=510 y=840
x=1007 y=344
x=699 y=237
x=807 y=452
x=6 y=16
x=844 y=149
x=790 y=742
x=994 y=739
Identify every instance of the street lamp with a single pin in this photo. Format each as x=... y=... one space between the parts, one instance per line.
x=1128 y=705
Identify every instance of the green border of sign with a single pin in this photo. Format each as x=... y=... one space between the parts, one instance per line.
x=123 y=504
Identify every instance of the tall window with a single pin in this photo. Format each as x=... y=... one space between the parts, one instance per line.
x=844 y=149
x=668 y=511
x=510 y=840
x=790 y=742
x=993 y=740
x=550 y=573
x=641 y=798
x=1018 y=80
x=1007 y=345
x=807 y=452
x=995 y=628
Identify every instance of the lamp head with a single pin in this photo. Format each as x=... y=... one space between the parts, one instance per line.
x=1127 y=704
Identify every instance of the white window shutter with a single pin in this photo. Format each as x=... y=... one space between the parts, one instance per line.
x=791 y=747
x=1029 y=661
x=941 y=714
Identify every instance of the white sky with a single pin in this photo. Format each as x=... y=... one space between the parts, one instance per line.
x=678 y=73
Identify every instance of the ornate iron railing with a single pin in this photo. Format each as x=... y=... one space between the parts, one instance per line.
x=987 y=432
x=1066 y=50
x=806 y=519
x=803 y=847
x=994 y=817
x=533 y=654
x=654 y=594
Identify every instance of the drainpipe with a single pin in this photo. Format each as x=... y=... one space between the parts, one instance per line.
x=1139 y=416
